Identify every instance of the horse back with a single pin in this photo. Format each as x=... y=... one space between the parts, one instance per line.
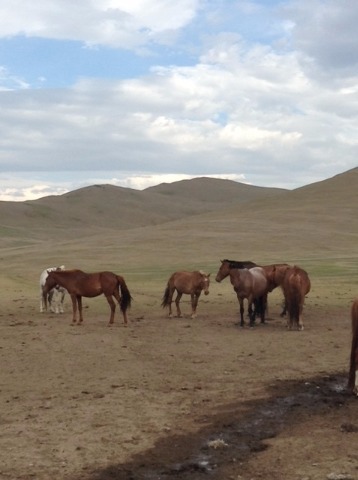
x=247 y=282
x=186 y=282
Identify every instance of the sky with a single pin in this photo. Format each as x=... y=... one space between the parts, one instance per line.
x=136 y=93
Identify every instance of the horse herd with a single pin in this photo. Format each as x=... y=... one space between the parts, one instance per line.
x=251 y=282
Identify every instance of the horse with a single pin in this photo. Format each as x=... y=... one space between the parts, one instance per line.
x=56 y=296
x=353 y=369
x=249 y=283
x=295 y=285
x=260 y=303
x=275 y=274
x=80 y=284
x=190 y=283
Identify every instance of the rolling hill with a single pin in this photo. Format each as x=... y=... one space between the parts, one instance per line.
x=108 y=206
x=223 y=216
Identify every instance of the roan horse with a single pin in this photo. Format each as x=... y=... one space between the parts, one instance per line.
x=190 y=283
x=249 y=283
x=80 y=284
x=56 y=296
x=353 y=369
x=295 y=285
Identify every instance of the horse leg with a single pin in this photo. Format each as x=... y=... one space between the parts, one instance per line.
x=61 y=302
x=74 y=308
x=241 y=302
x=284 y=309
x=177 y=300
x=50 y=300
x=42 y=303
x=300 y=319
x=170 y=300
x=79 y=303
x=194 y=304
x=252 y=314
x=56 y=301
x=113 y=308
x=260 y=306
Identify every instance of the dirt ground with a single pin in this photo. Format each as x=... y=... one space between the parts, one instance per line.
x=175 y=398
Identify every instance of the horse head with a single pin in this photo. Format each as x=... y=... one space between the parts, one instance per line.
x=223 y=271
x=205 y=282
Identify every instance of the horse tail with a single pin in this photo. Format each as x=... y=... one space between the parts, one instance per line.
x=126 y=297
x=165 y=299
x=354 y=347
x=294 y=297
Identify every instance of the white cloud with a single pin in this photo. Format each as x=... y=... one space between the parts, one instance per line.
x=116 y=23
x=240 y=107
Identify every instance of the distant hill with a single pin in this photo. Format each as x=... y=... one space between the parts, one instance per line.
x=91 y=210
x=109 y=206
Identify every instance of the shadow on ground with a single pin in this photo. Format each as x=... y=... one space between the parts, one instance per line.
x=234 y=434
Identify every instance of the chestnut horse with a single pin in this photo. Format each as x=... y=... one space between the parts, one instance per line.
x=249 y=283
x=295 y=285
x=275 y=274
x=190 y=283
x=353 y=370
x=80 y=284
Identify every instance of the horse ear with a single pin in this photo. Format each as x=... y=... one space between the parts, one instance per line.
x=209 y=274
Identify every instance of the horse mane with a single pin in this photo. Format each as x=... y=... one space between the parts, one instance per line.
x=240 y=264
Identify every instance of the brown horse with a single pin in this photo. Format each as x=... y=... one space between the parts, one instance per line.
x=80 y=284
x=190 y=283
x=250 y=284
x=295 y=285
x=275 y=274
x=353 y=370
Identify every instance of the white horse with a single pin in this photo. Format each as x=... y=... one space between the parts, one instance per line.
x=56 y=296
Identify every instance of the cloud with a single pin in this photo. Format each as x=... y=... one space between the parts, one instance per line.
x=256 y=103
x=115 y=23
x=325 y=32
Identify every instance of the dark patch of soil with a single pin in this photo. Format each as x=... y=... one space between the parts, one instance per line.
x=232 y=437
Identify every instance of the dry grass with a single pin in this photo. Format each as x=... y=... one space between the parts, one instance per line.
x=79 y=398
x=315 y=227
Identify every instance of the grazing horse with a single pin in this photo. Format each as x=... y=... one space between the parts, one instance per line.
x=295 y=285
x=250 y=284
x=353 y=370
x=80 y=284
x=190 y=283
x=56 y=296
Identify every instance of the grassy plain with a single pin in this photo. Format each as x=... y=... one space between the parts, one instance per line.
x=75 y=400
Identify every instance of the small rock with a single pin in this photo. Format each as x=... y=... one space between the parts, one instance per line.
x=339 y=476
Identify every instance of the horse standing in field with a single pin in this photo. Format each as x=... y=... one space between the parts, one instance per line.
x=295 y=285
x=56 y=296
x=251 y=284
x=190 y=283
x=80 y=284
x=260 y=304
x=353 y=369
x=275 y=273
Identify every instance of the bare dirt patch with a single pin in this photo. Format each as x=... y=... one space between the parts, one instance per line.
x=175 y=398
